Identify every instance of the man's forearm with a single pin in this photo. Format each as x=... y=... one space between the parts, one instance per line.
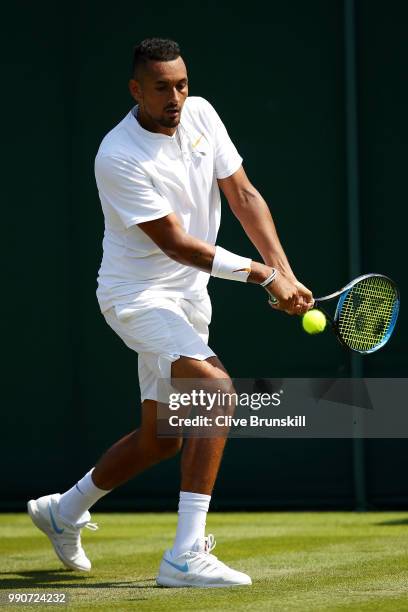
x=191 y=251
x=188 y=250
x=255 y=217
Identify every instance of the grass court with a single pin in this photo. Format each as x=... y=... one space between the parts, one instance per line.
x=297 y=561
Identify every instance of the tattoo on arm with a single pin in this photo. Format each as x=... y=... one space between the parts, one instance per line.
x=201 y=260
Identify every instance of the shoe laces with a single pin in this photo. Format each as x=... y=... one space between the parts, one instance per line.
x=210 y=543
x=72 y=537
x=205 y=555
x=91 y=526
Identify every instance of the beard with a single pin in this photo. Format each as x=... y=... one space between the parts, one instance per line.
x=169 y=122
x=164 y=120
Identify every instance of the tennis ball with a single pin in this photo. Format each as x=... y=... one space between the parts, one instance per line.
x=314 y=321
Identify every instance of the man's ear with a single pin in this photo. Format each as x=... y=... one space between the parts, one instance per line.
x=135 y=89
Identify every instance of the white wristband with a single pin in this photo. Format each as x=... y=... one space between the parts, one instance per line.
x=230 y=266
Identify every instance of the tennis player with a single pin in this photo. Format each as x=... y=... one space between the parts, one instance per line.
x=159 y=173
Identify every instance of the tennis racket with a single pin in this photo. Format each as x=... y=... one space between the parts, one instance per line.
x=366 y=312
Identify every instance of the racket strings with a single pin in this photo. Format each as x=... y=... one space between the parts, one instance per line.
x=367 y=313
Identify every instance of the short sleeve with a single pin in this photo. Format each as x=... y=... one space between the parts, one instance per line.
x=227 y=158
x=128 y=190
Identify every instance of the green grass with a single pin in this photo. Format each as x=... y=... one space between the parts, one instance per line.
x=298 y=561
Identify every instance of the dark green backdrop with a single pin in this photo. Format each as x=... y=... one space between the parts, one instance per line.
x=275 y=73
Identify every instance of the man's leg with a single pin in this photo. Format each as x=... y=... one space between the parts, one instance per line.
x=62 y=517
x=189 y=562
x=200 y=460
x=201 y=457
x=131 y=455
x=135 y=452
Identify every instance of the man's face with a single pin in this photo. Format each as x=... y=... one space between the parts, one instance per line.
x=161 y=90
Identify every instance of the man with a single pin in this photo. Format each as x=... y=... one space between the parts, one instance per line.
x=158 y=174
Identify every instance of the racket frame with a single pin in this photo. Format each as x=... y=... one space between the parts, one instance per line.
x=343 y=293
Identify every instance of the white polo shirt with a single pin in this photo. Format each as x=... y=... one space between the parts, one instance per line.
x=142 y=176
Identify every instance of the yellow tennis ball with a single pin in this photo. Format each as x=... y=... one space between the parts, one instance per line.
x=314 y=321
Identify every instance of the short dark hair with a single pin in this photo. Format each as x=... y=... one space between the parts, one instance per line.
x=157 y=49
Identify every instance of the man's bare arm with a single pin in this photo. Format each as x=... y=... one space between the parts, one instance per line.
x=171 y=238
x=253 y=213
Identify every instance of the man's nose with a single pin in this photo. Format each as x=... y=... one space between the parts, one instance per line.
x=175 y=96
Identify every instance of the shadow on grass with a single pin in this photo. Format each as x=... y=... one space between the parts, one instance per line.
x=63 y=579
x=394 y=522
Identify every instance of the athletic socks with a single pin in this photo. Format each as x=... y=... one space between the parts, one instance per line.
x=79 y=499
x=192 y=511
x=192 y=515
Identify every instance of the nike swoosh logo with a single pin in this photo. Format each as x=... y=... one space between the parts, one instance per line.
x=197 y=141
x=54 y=524
x=180 y=568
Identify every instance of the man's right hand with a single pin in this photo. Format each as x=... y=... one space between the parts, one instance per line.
x=293 y=297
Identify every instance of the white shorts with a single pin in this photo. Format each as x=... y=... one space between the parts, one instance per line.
x=160 y=330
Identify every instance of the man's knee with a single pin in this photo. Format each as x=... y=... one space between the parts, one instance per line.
x=208 y=374
x=210 y=380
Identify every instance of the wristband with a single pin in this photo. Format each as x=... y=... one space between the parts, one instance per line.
x=230 y=266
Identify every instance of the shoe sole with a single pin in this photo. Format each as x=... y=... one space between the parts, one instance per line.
x=42 y=525
x=171 y=583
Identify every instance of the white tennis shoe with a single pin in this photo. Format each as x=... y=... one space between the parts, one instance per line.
x=198 y=568
x=65 y=538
